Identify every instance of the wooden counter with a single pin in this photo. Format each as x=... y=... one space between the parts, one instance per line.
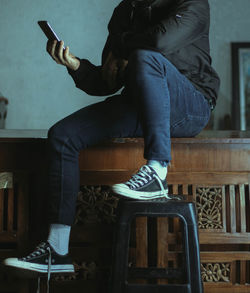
x=212 y=169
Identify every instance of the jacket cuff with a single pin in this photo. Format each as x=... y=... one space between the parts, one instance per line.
x=81 y=71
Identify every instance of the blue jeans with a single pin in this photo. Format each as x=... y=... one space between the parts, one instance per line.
x=157 y=103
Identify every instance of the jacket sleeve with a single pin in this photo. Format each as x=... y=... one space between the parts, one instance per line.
x=185 y=26
x=88 y=77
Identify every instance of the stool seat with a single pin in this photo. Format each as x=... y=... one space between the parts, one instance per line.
x=126 y=212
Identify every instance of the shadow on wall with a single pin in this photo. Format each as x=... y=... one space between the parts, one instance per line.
x=221 y=119
x=3 y=110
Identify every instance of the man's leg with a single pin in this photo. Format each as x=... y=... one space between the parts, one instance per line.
x=115 y=117
x=169 y=105
x=167 y=100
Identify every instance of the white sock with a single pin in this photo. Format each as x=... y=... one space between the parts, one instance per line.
x=159 y=168
x=59 y=238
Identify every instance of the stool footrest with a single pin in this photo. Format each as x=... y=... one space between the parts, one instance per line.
x=155 y=273
x=148 y=288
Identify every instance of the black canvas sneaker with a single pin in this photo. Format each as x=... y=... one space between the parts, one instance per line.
x=42 y=260
x=144 y=185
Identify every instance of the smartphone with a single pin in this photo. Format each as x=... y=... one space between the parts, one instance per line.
x=48 y=30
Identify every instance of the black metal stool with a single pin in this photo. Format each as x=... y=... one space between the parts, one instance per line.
x=127 y=210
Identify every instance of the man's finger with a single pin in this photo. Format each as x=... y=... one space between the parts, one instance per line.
x=123 y=65
x=49 y=46
x=70 y=60
x=110 y=71
x=109 y=74
x=112 y=78
x=105 y=67
x=60 y=53
x=53 y=52
x=107 y=61
x=66 y=55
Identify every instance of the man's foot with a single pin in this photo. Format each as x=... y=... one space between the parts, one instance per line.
x=43 y=260
x=144 y=185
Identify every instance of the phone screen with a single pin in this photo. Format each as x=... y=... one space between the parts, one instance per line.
x=48 y=30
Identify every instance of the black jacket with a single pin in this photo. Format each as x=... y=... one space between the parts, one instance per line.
x=178 y=29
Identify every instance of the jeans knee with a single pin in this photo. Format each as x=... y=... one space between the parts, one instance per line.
x=141 y=60
x=64 y=136
x=57 y=134
x=55 y=131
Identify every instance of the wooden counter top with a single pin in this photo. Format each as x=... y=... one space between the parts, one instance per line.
x=22 y=134
x=204 y=137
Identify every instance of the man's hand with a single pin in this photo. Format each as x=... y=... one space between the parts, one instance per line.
x=113 y=71
x=62 y=56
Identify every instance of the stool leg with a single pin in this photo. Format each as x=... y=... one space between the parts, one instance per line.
x=193 y=253
x=120 y=256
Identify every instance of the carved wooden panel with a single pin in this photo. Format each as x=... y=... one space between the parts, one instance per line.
x=95 y=204
x=14 y=213
x=209 y=205
x=224 y=232
x=215 y=272
x=13 y=229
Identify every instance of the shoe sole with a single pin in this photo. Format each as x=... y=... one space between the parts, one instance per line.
x=42 y=269
x=128 y=193
x=28 y=274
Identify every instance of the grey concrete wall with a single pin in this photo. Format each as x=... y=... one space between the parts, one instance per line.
x=40 y=92
x=230 y=22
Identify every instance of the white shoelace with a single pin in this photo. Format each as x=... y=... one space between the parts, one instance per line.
x=39 y=251
x=162 y=187
x=143 y=176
